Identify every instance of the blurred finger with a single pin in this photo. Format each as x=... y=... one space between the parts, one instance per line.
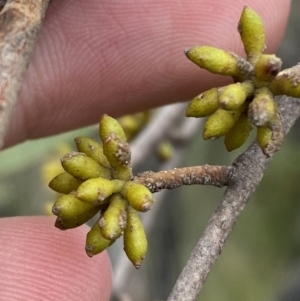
x=115 y=57
x=40 y=262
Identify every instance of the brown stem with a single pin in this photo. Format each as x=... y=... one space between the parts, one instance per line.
x=248 y=171
x=20 y=22
x=170 y=179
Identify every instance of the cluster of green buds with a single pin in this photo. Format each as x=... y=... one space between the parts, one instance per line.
x=233 y=110
x=98 y=178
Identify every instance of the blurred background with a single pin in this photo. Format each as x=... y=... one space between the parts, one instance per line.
x=261 y=259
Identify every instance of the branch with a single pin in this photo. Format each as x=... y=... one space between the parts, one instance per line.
x=170 y=179
x=20 y=22
x=248 y=172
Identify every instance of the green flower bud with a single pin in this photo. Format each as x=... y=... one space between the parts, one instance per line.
x=219 y=123
x=76 y=221
x=113 y=220
x=95 y=242
x=92 y=149
x=82 y=167
x=138 y=196
x=287 y=82
x=132 y=124
x=264 y=136
x=233 y=96
x=108 y=126
x=251 y=29
x=118 y=154
x=165 y=150
x=267 y=67
x=69 y=206
x=96 y=191
x=135 y=241
x=270 y=137
x=238 y=134
x=204 y=104
x=263 y=108
x=215 y=60
x=64 y=183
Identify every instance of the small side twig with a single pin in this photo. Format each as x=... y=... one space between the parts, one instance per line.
x=248 y=170
x=20 y=22
x=170 y=179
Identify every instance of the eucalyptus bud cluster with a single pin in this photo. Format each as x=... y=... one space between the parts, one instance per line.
x=249 y=102
x=98 y=178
